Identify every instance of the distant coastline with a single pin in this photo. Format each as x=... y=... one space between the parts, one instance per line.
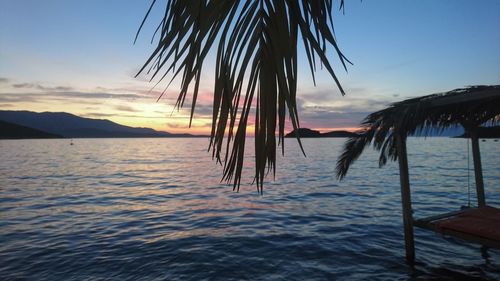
x=50 y=125
x=15 y=131
x=485 y=133
x=309 y=133
x=30 y=125
x=492 y=132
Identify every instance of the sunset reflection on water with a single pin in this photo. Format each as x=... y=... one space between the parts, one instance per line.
x=156 y=206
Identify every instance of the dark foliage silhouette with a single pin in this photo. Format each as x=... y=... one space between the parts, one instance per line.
x=255 y=69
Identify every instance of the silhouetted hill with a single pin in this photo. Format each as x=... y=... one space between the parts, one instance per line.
x=303 y=133
x=338 y=134
x=308 y=133
x=486 y=133
x=14 y=131
x=72 y=126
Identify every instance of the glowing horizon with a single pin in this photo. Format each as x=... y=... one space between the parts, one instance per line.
x=78 y=57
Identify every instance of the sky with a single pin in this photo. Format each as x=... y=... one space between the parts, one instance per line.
x=79 y=57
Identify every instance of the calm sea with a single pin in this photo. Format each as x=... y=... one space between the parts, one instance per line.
x=154 y=209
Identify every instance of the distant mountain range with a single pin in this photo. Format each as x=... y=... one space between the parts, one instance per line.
x=484 y=132
x=61 y=124
x=28 y=124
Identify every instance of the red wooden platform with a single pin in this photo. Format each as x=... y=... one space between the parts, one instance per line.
x=480 y=225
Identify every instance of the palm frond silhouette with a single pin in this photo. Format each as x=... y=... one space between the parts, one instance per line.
x=255 y=69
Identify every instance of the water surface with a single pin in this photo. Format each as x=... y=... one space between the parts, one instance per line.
x=124 y=209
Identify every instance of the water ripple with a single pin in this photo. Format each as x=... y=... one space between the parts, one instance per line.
x=155 y=209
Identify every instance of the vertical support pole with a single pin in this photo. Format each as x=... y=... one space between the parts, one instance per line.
x=478 y=170
x=405 y=198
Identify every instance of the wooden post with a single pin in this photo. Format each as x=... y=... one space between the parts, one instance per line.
x=405 y=198
x=478 y=170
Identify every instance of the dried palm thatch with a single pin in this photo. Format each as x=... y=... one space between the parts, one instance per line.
x=255 y=68
x=467 y=107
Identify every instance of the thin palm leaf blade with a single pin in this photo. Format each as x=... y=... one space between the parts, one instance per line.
x=255 y=68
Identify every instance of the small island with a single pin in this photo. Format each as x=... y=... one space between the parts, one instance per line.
x=309 y=133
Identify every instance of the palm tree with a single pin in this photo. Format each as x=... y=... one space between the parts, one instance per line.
x=256 y=67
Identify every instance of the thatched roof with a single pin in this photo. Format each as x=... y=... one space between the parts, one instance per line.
x=468 y=107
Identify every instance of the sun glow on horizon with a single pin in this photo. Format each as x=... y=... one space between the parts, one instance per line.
x=85 y=63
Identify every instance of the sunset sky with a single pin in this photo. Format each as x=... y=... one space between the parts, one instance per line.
x=79 y=57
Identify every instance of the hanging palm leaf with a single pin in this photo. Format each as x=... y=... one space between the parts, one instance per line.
x=423 y=116
x=256 y=67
